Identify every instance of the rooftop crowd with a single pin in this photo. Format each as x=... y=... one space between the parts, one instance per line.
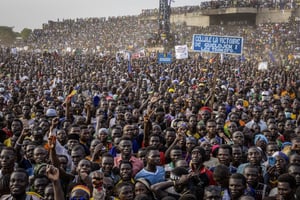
x=204 y=5
x=80 y=125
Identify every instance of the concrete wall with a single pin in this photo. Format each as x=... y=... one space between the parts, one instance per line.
x=191 y=19
x=297 y=12
x=275 y=16
x=222 y=11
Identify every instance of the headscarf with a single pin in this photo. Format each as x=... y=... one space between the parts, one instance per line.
x=38 y=168
x=260 y=137
x=83 y=188
x=279 y=153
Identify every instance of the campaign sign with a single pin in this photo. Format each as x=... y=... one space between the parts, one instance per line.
x=181 y=52
x=218 y=44
x=164 y=58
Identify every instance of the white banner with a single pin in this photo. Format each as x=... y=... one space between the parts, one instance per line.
x=263 y=66
x=181 y=52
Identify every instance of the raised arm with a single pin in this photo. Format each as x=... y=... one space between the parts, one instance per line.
x=25 y=133
x=87 y=107
x=159 y=188
x=147 y=129
x=53 y=175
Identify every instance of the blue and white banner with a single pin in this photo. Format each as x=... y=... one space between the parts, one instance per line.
x=218 y=44
x=164 y=58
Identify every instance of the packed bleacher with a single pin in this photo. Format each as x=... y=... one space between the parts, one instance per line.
x=204 y=5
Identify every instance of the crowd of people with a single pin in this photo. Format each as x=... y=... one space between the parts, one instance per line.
x=81 y=125
x=91 y=33
x=275 y=41
x=204 y=5
x=282 y=5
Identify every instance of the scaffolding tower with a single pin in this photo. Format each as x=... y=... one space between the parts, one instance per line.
x=164 y=21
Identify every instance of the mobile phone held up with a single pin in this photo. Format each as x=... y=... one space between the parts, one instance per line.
x=271 y=161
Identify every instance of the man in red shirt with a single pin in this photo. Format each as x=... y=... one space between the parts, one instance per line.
x=125 y=147
x=198 y=157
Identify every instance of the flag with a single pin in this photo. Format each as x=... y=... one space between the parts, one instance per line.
x=117 y=58
x=127 y=55
x=214 y=59
x=129 y=68
x=271 y=56
x=96 y=100
x=73 y=92
x=129 y=59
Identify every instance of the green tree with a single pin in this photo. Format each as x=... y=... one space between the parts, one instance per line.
x=25 y=33
x=7 y=36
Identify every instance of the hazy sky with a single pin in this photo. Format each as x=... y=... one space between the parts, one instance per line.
x=33 y=13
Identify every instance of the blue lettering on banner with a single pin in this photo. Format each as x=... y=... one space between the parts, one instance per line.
x=164 y=58
x=218 y=44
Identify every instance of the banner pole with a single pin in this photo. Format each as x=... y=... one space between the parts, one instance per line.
x=214 y=83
